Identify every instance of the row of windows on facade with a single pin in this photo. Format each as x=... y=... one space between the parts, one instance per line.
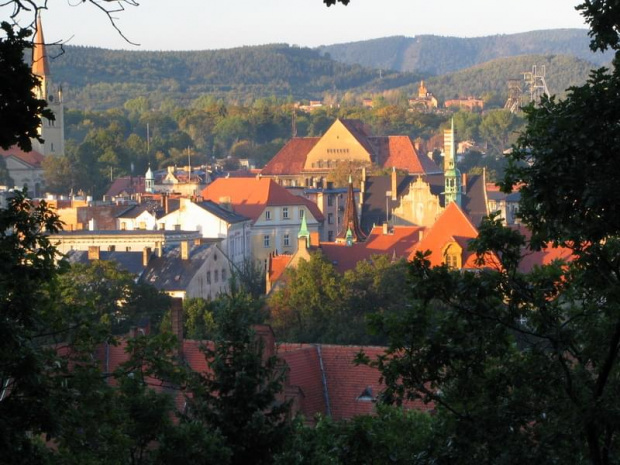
x=216 y=276
x=285 y=214
x=286 y=241
x=327 y=163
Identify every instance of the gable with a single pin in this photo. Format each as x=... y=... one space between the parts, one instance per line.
x=338 y=144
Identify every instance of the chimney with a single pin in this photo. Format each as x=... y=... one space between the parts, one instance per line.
x=185 y=250
x=93 y=252
x=385 y=229
x=394 y=184
x=314 y=238
x=420 y=234
x=464 y=183
x=264 y=336
x=176 y=320
x=158 y=249
x=165 y=202
x=146 y=255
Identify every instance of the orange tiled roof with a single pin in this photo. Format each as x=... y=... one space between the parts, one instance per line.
x=452 y=225
x=249 y=197
x=291 y=158
x=32 y=158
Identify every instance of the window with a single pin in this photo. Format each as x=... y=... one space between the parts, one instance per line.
x=330 y=236
x=216 y=276
x=266 y=241
x=287 y=241
x=208 y=277
x=267 y=215
x=330 y=218
x=301 y=213
x=285 y=213
x=330 y=200
x=452 y=261
x=142 y=225
x=223 y=274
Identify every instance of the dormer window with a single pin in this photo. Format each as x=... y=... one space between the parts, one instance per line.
x=452 y=255
x=366 y=395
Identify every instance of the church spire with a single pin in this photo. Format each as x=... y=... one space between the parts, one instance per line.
x=40 y=66
x=304 y=233
x=351 y=226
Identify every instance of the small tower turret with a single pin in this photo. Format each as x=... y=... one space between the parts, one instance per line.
x=452 y=176
x=149 y=181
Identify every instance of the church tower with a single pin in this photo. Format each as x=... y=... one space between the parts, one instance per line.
x=351 y=230
x=53 y=132
x=452 y=175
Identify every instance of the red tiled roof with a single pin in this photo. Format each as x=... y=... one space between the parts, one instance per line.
x=398 y=152
x=400 y=242
x=249 y=197
x=291 y=158
x=32 y=158
x=277 y=266
x=345 y=382
x=127 y=184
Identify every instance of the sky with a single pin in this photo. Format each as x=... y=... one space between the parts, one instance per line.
x=217 y=24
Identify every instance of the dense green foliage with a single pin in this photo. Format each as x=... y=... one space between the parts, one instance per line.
x=439 y=55
x=20 y=110
x=393 y=436
x=317 y=304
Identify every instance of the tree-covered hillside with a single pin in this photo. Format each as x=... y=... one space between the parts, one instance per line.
x=96 y=78
x=489 y=80
x=439 y=55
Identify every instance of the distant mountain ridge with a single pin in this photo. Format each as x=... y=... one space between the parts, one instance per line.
x=439 y=55
x=95 y=78
x=100 y=78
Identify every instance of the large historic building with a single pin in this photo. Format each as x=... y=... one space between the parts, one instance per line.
x=307 y=161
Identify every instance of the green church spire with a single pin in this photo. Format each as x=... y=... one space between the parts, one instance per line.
x=452 y=176
x=303 y=230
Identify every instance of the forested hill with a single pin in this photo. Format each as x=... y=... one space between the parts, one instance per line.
x=439 y=55
x=489 y=80
x=99 y=78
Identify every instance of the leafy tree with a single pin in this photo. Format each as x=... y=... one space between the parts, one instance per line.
x=497 y=128
x=20 y=110
x=524 y=367
x=238 y=396
x=392 y=436
x=305 y=308
x=111 y=295
x=27 y=265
